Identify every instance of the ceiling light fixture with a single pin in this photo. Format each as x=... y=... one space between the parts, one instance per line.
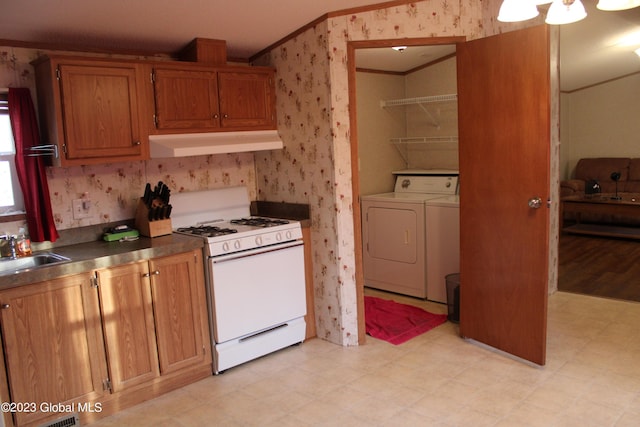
x=517 y=10
x=399 y=48
x=560 y=12
x=637 y=51
x=565 y=12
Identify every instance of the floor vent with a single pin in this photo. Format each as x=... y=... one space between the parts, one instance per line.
x=69 y=421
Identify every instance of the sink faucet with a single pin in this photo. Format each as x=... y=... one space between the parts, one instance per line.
x=12 y=247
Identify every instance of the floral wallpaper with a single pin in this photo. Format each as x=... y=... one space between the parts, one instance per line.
x=114 y=189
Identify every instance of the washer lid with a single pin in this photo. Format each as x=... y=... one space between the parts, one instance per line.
x=401 y=197
x=427 y=184
x=445 y=201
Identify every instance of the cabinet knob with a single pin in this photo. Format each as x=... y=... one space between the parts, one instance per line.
x=153 y=273
x=226 y=116
x=215 y=116
x=5 y=306
x=137 y=143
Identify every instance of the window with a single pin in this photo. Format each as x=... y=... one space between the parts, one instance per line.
x=11 y=201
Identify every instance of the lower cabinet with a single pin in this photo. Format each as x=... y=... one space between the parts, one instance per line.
x=98 y=342
x=181 y=320
x=52 y=346
x=127 y=319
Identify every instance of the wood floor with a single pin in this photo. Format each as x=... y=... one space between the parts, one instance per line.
x=599 y=266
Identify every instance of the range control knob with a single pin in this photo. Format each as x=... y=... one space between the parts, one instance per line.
x=225 y=246
x=279 y=236
x=259 y=240
x=289 y=235
x=236 y=244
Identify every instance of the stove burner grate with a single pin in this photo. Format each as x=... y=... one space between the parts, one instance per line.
x=255 y=221
x=207 y=231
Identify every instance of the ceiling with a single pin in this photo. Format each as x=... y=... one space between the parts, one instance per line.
x=162 y=26
x=589 y=50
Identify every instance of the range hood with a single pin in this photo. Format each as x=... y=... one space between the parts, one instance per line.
x=200 y=144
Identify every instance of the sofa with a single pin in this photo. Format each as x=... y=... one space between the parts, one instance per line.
x=593 y=175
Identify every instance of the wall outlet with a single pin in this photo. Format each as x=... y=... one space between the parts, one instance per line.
x=81 y=208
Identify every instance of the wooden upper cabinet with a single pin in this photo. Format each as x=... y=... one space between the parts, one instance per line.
x=247 y=99
x=91 y=109
x=196 y=98
x=101 y=110
x=52 y=345
x=185 y=99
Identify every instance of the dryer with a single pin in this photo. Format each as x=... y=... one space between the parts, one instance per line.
x=397 y=251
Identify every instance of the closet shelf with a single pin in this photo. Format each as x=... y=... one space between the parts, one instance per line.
x=419 y=100
x=425 y=139
x=422 y=102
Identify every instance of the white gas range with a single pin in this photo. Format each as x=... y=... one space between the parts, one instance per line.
x=254 y=274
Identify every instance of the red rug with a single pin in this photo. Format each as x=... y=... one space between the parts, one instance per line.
x=397 y=323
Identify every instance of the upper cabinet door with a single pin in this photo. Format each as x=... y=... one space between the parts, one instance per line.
x=100 y=112
x=195 y=98
x=247 y=99
x=505 y=131
x=185 y=99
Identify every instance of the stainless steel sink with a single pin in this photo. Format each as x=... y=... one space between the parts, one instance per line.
x=30 y=262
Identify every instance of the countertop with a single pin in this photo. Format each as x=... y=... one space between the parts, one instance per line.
x=88 y=251
x=100 y=254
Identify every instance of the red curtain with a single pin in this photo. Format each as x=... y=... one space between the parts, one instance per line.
x=30 y=169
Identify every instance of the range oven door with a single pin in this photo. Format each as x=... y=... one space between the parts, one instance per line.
x=257 y=290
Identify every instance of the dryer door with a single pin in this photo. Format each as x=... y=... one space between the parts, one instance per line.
x=394 y=247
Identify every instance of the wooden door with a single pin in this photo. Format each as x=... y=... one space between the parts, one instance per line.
x=179 y=301
x=127 y=316
x=53 y=345
x=100 y=111
x=504 y=124
x=247 y=99
x=186 y=99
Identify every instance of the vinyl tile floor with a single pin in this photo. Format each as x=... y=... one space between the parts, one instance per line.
x=592 y=378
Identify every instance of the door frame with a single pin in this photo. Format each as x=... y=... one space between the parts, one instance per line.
x=355 y=175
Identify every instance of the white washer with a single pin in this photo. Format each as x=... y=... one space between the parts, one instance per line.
x=396 y=247
x=443 y=244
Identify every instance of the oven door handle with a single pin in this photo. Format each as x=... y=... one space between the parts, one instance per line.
x=258 y=251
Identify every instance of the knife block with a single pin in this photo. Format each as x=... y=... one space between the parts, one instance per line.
x=147 y=228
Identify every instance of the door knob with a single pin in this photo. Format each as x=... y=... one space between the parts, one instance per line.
x=535 y=203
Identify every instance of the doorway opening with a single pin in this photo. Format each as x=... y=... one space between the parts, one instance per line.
x=376 y=73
